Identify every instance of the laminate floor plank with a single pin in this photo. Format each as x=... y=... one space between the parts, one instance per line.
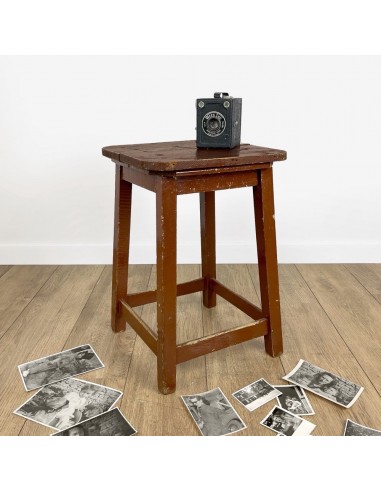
x=369 y=275
x=93 y=326
x=41 y=329
x=141 y=383
x=330 y=317
x=354 y=312
x=310 y=334
x=4 y=269
x=235 y=367
x=18 y=286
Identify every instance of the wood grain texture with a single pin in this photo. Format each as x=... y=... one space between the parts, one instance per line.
x=355 y=313
x=237 y=366
x=310 y=334
x=122 y=222
x=41 y=329
x=4 y=269
x=73 y=308
x=369 y=276
x=267 y=259
x=18 y=286
x=208 y=245
x=210 y=183
x=93 y=326
x=141 y=382
x=176 y=156
x=166 y=245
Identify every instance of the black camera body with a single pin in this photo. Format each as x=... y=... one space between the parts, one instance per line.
x=219 y=121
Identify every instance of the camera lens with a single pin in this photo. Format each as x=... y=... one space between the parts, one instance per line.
x=213 y=123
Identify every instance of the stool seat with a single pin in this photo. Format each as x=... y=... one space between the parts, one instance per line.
x=177 y=156
x=174 y=168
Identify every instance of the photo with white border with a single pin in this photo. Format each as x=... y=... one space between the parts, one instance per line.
x=256 y=394
x=59 y=366
x=355 y=429
x=110 y=423
x=65 y=403
x=213 y=413
x=324 y=383
x=294 y=399
x=286 y=423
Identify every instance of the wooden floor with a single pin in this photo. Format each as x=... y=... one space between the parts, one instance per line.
x=331 y=316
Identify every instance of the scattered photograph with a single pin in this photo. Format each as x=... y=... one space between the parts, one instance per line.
x=66 y=403
x=323 y=383
x=355 y=429
x=56 y=367
x=256 y=394
x=111 y=423
x=286 y=423
x=293 y=399
x=213 y=414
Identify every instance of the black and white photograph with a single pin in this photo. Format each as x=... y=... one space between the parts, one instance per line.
x=213 y=414
x=324 y=383
x=256 y=394
x=66 y=403
x=285 y=423
x=294 y=399
x=57 y=367
x=111 y=423
x=355 y=429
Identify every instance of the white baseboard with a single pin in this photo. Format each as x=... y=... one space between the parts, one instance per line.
x=87 y=254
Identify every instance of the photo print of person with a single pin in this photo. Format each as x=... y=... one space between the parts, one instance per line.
x=66 y=403
x=285 y=423
x=213 y=414
x=57 y=367
x=293 y=399
x=111 y=423
x=256 y=394
x=323 y=383
x=355 y=429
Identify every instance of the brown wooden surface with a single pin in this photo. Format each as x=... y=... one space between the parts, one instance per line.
x=183 y=289
x=267 y=259
x=175 y=156
x=150 y=405
x=211 y=182
x=218 y=341
x=4 y=269
x=166 y=201
x=341 y=296
x=240 y=365
x=208 y=245
x=313 y=334
x=122 y=222
x=369 y=276
x=40 y=328
x=73 y=308
x=167 y=186
x=138 y=177
x=141 y=328
x=13 y=299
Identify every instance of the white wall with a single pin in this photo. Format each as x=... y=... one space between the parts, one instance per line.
x=56 y=189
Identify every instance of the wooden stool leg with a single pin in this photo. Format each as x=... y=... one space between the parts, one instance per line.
x=122 y=221
x=166 y=201
x=267 y=259
x=208 y=245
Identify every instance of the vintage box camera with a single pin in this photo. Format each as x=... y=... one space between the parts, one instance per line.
x=219 y=121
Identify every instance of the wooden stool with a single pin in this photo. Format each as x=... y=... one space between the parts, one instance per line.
x=175 y=168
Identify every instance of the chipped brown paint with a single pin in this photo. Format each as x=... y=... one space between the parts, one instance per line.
x=174 y=168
